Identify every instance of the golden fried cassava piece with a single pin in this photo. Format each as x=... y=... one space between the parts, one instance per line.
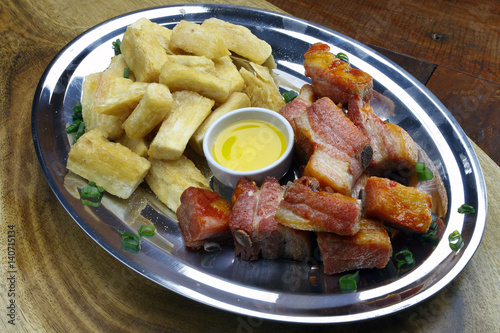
x=151 y=110
x=240 y=40
x=124 y=102
x=110 y=165
x=117 y=67
x=144 y=50
x=179 y=77
x=96 y=89
x=261 y=88
x=195 y=39
x=188 y=111
x=225 y=69
x=201 y=63
x=168 y=179
x=237 y=100
x=138 y=146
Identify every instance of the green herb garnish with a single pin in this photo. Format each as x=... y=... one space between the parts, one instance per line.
x=117 y=44
x=289 y=96
x=430 y=236
x=456 y=241
x=147 y=230
x=126 y=72
x=77 y=126
x=343 y=57
x=349 y=283
x=423 y=172
x=404 y=260
x=466 y=209
x=91 y=194
x=131 y=241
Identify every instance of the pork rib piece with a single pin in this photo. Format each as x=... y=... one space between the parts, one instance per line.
x=334 y=78
x=370 y=247
x=306 y=207
x=203 y=216
x=255 y=231
x=394 y=151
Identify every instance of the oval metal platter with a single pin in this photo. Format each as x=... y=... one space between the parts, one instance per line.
x=279 y=290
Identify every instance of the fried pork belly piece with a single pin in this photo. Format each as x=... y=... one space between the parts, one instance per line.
x=335 y=151
x=325 y=122
x=370 y=247
x=203 y=217
x=334 y=78
x=306 y=207
x=299 y=104
x=401 y=207
x=256 y=232
x=394 y=151
x=332 y=168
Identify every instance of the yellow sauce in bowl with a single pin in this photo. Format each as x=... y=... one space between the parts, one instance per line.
x=249 y=145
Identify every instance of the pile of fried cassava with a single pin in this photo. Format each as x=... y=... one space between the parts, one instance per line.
x=358 y=180
x=178 y=81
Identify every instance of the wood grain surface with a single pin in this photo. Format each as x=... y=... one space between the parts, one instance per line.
x=64 y=282
x=456 y=43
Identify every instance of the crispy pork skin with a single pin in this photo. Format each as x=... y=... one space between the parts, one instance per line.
x=332 y=168
x=306 y=207
x=370 y=247
x=299 y=104
x=203 y=216
x=334 y=78
x=401 y=207
x=394 y=151
x=255 y=231
x=325 y=122
x=334 y=150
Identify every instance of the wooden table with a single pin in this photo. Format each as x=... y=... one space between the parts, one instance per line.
x=67 y=283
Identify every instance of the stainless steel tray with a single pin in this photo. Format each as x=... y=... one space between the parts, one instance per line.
x=279 y=290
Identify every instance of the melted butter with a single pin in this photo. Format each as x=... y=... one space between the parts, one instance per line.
x=249 y=145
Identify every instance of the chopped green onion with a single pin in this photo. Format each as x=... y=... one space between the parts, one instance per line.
x=91 y=194
x=456 y=241
x=466 y=209
x=423 y=172
x=147 y=230
x=404 y=260
x=349 y=283
x=289 y=96
x=419 y=167
x=117 y=47
x=430 y=236
x=131 y=241
x=77 y=126
x=343 y=57
x=77 y=111
x=74 y=126
x=126 y=72
x=79 y=132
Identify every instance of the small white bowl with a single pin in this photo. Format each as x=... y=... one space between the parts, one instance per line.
x=276 y=169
